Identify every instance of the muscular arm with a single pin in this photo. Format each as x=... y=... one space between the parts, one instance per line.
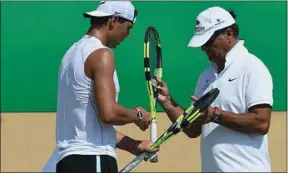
x=257 y=120
x=126 y=143
x=173 y=111
x=100 y=68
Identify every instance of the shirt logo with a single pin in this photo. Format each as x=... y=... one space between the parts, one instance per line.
x=230 y=80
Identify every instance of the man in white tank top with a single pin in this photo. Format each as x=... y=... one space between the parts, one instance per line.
x=88 y=88
x=234 y=129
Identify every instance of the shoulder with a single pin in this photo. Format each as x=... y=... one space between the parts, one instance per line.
x=256 y=65
x=101 y=55
x=101 y=59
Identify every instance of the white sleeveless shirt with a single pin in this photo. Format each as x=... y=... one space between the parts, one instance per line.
x=79 y=130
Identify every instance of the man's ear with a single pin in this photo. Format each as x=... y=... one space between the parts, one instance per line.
x=229 y=33
x=114 y=19
x=112 y=22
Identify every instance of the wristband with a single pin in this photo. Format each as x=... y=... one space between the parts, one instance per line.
x=217 y=115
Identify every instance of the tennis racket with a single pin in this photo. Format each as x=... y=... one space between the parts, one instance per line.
x=152 y=69
x=189 y=115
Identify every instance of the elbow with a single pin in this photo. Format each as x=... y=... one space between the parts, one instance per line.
x=263 y=129
x=108 y=115
x=193 y=131
x=107 y=118
x=192 y=134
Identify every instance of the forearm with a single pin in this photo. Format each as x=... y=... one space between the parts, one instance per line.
x=122 y=116
x=126 y=143
x=173 y=110
x=246 y=123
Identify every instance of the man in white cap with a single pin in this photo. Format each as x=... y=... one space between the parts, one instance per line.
x=234 y=129
x=88 y=88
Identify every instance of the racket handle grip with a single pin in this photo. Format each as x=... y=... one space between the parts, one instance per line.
x=153 y=131
x=153 y=137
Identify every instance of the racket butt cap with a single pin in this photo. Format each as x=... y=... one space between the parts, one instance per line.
x=154 y=159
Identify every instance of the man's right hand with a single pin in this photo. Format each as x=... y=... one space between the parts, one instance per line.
x=144 y=122
x=163 y=92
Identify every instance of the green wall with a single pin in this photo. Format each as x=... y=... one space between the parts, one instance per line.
x=35 y=36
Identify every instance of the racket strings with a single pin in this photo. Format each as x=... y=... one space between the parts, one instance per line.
x=153 y=64
x=152 y=55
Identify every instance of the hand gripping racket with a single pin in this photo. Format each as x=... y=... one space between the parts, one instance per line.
x=189 y=115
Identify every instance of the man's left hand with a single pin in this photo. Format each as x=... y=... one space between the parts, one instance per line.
x=144 y=146
x=206 y=116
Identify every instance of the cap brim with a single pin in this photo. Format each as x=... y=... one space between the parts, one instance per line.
x=199 y=40
x=96 y=14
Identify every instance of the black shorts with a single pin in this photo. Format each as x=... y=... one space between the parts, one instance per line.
x=87 y=164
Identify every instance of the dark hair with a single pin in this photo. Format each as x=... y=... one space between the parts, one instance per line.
x=99 y=21
x=234 y=27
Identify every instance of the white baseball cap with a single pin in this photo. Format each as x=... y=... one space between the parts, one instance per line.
x=124 y=9
x=209 y=21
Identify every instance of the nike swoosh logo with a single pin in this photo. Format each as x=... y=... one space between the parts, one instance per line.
x=230 y=80
x=117 y=13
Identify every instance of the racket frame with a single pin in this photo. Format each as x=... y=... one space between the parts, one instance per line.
x=151 y=31
x=188 y=116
